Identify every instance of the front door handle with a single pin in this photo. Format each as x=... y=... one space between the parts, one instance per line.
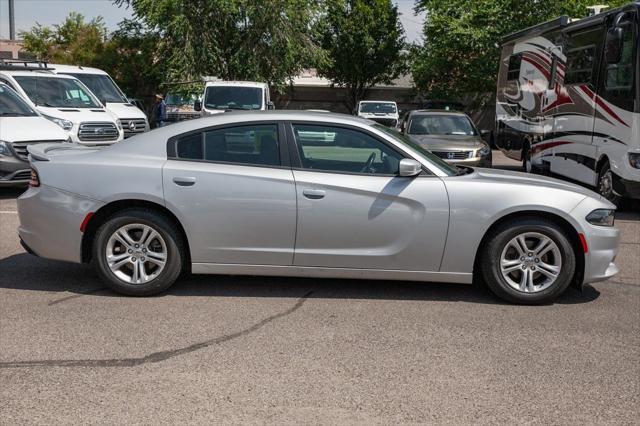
x=184 y=181
x=313 y=194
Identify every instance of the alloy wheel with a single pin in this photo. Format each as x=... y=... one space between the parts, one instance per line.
x=136 y=253
x=530 y=262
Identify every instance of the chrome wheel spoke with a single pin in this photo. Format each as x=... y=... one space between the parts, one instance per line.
x=538 y=261
x=129 y=256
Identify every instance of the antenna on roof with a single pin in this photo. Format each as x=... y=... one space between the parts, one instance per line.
x=597 y=9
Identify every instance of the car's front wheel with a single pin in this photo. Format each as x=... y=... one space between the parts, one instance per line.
x=138 y=253
x=528 y=261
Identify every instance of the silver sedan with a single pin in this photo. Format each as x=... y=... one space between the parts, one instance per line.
x=308 y=194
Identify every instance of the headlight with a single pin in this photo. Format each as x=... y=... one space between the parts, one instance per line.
x=4 y=149
x=634 y=160
x=601 y=217
x=119 y=124
x=484 y=151
x=65 y=124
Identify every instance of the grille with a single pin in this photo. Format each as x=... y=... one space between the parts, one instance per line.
x=20 y=148
x=22 y=175
x=453 y=155
x=133 y=126
x=91 y=132
x=389 y=122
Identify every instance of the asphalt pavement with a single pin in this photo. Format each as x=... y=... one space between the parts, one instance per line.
x=306 y=351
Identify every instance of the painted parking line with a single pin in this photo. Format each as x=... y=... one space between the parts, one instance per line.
x=8 y=212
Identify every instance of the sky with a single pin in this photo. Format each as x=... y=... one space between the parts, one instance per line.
x=49 y=12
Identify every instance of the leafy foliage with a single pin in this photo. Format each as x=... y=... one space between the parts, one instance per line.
x=232 y=39
x=73 y=42
x=460 y=53
x=364 y=41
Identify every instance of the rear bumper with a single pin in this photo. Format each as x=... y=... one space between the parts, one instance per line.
x=50 y=222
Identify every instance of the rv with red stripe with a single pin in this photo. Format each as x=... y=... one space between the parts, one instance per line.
x=568 y=100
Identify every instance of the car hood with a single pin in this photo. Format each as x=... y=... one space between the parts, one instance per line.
x=448 y=142
x=35 y=128
x=79 y=115
x=520 y=178
x=124 y=111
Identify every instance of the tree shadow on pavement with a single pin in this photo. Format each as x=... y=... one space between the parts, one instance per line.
x=27 y=272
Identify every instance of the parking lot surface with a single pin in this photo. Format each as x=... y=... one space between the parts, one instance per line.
x=284 y=350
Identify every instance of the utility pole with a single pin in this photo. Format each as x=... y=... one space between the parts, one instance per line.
x=12 y=22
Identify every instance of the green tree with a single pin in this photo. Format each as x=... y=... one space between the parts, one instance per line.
x=75 y=41
x=364 y=41
x=264 y=40
x=460 y=53
x=131 y=58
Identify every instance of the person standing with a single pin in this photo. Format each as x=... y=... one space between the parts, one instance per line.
x=160 y=111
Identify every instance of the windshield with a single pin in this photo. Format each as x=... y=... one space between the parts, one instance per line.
x=12 y=105
x=102 y=86
x=438 y=124
x=448 y=169
x=180 y=99
x=233 y=97
x=378 y=107
x=57 y=92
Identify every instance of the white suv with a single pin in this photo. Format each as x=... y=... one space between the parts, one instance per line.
x=383 y=112
x=133 y=120
x=65 y=101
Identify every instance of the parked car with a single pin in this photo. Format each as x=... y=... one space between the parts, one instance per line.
x=65 y=101
x=247 y=193
x=101 y=84
x=450 y=135
x=21 y=126
x=383 y=112
x=180 y=106
x=220 y=96
x=568 y=100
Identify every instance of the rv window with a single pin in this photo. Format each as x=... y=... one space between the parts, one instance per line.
x=620 y=75
x=581 y=54
x=513 y=72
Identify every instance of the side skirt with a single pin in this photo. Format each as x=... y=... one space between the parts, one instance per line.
x=319 y=272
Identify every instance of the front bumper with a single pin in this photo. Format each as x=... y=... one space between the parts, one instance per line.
x=14 y=171
x=472 y=162
x=50 y=221
x=628 y=188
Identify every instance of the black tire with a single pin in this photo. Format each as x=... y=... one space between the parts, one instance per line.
x=174 y=252
x=605 y=184
x=498 y=239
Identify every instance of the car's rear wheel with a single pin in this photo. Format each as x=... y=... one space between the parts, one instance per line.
x=528 y=261
x=138 y=253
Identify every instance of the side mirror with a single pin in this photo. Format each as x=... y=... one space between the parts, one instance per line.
x=197 y=106
x=409 y=167
x=271 y=105
x=103 y=102
x=613 y=45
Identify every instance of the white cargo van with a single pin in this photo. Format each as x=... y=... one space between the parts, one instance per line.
x=133 y=120
x=65 y=101
x=220 y=96
x=383 y=112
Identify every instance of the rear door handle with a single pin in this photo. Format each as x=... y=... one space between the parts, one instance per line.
x=184 y=180
x=313 y=194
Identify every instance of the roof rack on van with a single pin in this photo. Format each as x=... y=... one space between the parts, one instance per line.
x=22 y=65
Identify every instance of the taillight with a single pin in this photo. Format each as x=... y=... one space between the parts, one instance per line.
x=35 y=179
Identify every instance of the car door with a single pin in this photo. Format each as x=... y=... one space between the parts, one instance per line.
x=354 y=211
x=234 y=190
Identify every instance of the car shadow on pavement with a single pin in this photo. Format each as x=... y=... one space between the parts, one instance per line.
x=27 y=272
x=11 y=193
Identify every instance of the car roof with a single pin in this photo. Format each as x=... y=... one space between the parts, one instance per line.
x=236 y=83
x=34 y=73
x=377 y=102
x=436 y=112
x=77 y=69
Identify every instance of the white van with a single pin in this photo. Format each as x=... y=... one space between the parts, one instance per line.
x=220 y=96
x=20 y=127
x=65 y=101
x=383 y=112
x=133 y=120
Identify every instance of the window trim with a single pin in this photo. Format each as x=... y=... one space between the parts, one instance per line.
x=513 y=55
x=296 y=162
x=285 y=162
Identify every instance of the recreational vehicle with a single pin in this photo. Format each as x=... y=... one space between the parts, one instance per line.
x=568 y=101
